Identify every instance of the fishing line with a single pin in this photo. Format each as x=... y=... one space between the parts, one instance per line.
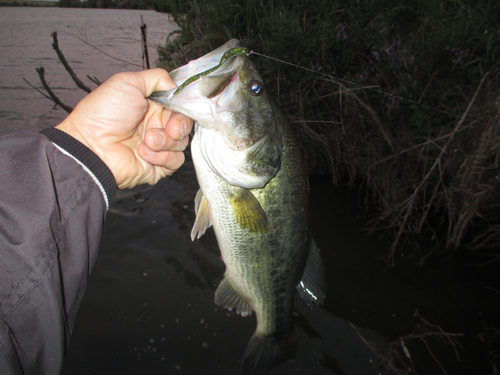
x=354 y=83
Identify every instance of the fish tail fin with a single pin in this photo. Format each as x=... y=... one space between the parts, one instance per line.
x=264 y=353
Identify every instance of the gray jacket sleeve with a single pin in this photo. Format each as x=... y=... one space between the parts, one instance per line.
x=54 y=198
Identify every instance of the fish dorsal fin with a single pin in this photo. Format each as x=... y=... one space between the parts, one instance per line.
x=248 y=212
x=229 y=297
x=202 y=210
x=312 y=286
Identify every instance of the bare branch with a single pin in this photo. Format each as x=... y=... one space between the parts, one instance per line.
x=412 y=148
x=408 y=204
x=94 y=79
x=53 y=97
x=79 y=83
x=400 y=360
x=385 y=133
x=44 y=94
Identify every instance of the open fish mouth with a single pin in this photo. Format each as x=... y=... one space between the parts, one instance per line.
x=211 y=86
x=205 y=63
x=223 y=93
x=209 y=98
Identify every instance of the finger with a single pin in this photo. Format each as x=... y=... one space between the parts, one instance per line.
x=157 y=80
x=157 y=139
x=178 y=126
x=170 y=160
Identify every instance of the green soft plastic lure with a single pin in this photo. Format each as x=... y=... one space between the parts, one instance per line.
x=226 y=56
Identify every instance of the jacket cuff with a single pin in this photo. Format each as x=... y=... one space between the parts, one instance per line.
x=84 y=156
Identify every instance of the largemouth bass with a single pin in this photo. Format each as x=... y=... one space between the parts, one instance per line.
x=254 y=192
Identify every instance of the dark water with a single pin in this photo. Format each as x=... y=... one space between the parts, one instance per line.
x=150 y=305
x=150 y=308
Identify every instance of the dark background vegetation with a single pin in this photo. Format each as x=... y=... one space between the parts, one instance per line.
x=406 y=108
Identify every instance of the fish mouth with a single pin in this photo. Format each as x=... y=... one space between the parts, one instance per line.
x=223 y=85
x=204 y=63
x=210 y=99
x=219 y=89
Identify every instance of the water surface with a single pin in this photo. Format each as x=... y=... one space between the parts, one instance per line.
x=26 y=44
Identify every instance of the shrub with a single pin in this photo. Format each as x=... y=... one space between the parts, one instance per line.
x=429 y=161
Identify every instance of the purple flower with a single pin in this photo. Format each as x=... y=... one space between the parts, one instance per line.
x=340 y=30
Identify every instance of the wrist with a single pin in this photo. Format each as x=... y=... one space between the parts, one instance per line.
x=67 y=127
x=84 y=156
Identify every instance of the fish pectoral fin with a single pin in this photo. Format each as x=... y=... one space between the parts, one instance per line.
x=230 y=297
x=203 y=221
x=248 y=212
x=312 y=286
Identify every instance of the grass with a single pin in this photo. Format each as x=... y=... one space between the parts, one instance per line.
x=429 y=162
x=407 y=354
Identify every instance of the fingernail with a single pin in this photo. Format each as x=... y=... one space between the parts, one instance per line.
x=159 y=137
x=182 y=129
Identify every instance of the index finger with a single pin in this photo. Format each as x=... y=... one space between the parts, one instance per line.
x=157 y=80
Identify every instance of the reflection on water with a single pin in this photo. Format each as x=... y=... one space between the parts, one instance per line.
x=26 y=44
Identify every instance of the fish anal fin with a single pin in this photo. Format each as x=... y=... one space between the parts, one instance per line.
x=312 y=286
x=248 y=212
x=264 y=353
x=203 y=221
x=230 y=297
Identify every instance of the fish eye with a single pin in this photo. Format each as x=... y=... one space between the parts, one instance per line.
x=256 y=88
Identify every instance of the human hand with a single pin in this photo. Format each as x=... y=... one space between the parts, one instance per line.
x=138 y=140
